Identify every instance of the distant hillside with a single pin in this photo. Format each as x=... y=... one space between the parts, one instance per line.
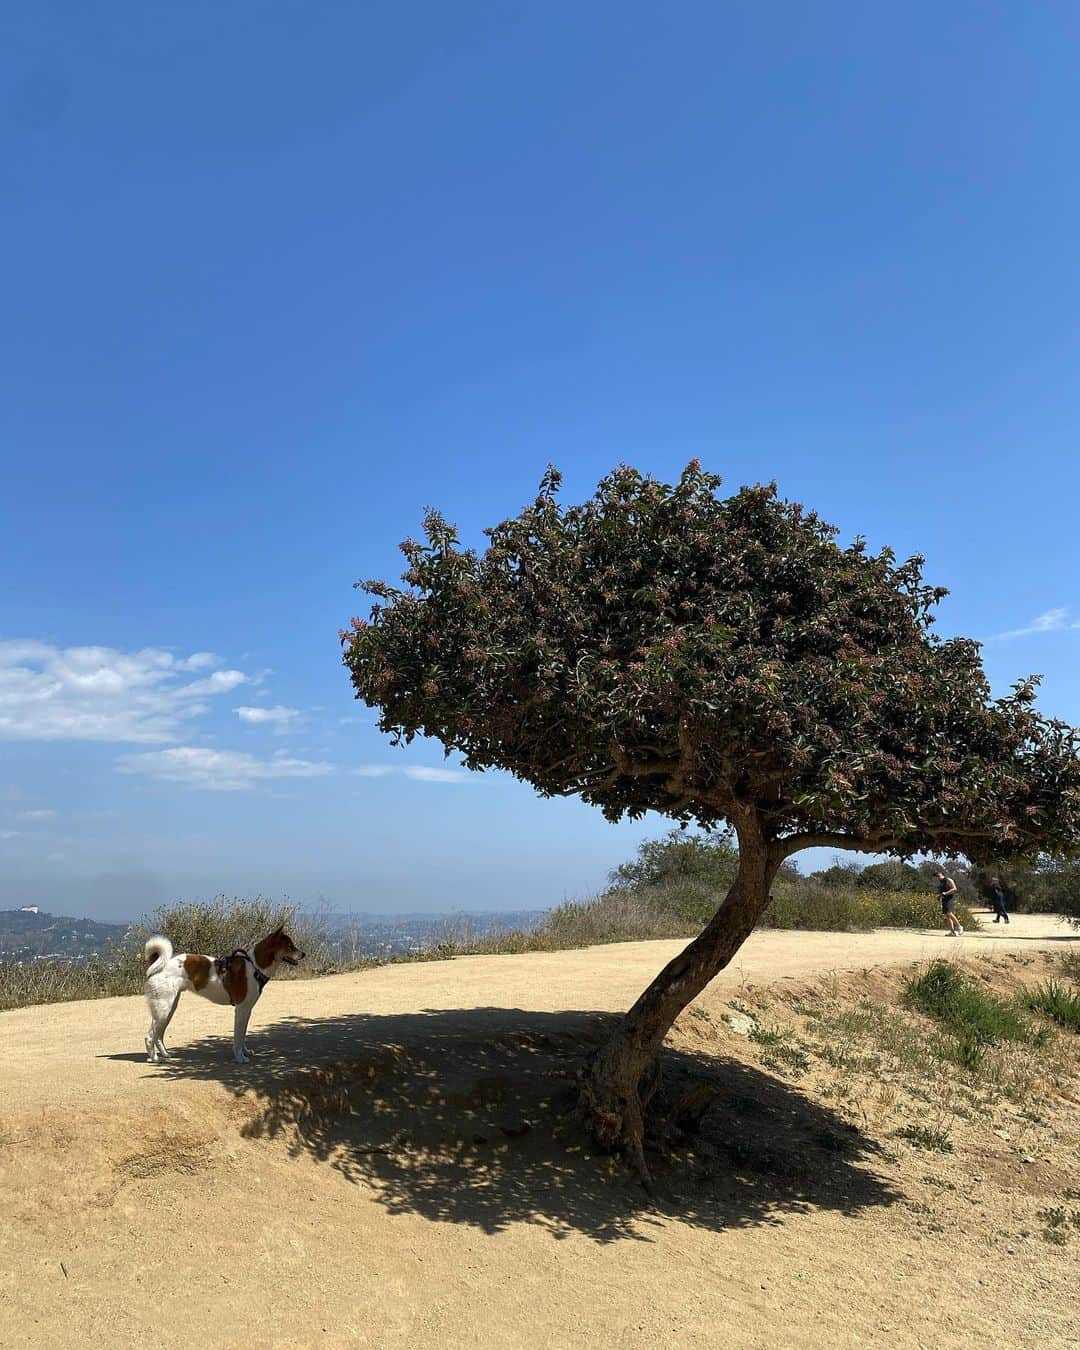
x=26 y=934
x=29 y=933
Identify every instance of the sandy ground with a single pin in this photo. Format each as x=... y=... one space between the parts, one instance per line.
x=386 y=1173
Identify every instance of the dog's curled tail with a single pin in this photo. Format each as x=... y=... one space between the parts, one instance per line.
x=158 y=950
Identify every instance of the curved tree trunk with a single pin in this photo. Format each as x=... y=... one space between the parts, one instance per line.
x=621 y=1076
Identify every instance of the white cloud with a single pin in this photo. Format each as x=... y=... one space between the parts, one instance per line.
x=1051 y=621
x=218 y=770
x=36 y=815
x=50 y=693
x=419 y=773
x=9 y=834
x=425 y=775
x=278 y=717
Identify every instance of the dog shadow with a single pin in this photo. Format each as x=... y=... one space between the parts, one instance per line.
x=466 y=1116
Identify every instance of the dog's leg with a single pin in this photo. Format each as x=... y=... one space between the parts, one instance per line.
x=165 y=1025
x=161 y=1008
x=240 y=1025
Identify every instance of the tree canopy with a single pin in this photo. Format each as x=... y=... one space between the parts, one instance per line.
x=662 y=647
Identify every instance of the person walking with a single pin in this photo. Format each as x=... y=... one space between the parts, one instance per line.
x=999 y=900
x=948 y=892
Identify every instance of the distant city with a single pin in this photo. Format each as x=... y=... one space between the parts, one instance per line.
x=31 y=934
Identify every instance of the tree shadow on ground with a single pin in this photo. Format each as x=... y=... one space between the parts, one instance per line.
x=467 y=1117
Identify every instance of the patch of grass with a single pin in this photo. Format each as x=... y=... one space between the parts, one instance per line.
x=22 y=985
x=923 y=1136
x=973 y=1018
x=779 y=1054
x=1070 y=966
x=1055 y=1001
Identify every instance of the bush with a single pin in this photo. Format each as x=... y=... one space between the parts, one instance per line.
x=821 y=908
x=710 y=859
x=830 y=908
x=215 y=927
x=220 y=925
x=628 y=915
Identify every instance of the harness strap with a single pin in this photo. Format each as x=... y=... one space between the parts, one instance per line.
x=223 y=963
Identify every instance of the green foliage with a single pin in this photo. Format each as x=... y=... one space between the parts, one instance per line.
x=778 y=1054
x=892 y=875
x=684 y=876
x=841 y=876
x=972 y=1017
x=1046 y=886
x=1054 y=1000
x=659 y=647
x=710 y=858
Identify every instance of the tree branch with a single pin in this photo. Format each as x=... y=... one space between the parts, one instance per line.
x=784 y=848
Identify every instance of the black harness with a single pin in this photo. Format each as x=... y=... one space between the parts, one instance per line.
x=224 y=962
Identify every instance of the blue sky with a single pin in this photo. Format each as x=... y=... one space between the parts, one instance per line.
x=276 y=276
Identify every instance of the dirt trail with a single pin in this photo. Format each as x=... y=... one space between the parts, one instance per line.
x=197 y=1200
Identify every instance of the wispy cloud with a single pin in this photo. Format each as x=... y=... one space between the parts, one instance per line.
x=50 y=693
x=1050 y=621
x=419 y=773
x=277 y=717
x=218 y=770
x=42 y=814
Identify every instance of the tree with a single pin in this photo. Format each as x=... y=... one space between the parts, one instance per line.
x=710 y=858
x=892 y=876
x=722 y=661
x=839 y=877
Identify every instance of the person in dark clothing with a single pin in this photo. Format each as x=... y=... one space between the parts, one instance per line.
x=948 y=892
x=999 y=900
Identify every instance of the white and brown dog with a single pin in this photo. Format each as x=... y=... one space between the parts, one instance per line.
x=237 y=979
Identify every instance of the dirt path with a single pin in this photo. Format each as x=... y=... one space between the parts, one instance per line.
x=201 y=1201
x=75 y=1053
